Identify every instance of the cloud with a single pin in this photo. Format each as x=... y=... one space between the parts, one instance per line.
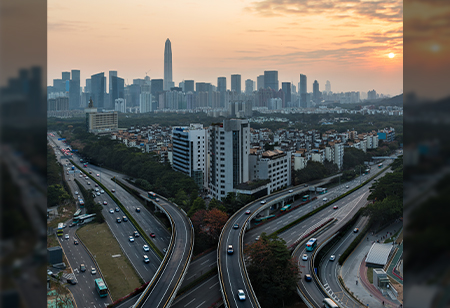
x=68 y=26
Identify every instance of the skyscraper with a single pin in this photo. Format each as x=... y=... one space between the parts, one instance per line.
x=260 y=82
x=316 y=92
x=328 y=86
x=157 y=88
x=271 y=80
x=189 y=86
x=286 y=88
x=97 y=90
x=236 y=83
x=222 y=88
x=65 y=76
x=74 y=90
x=248 y=86
x=117 y=89
x=302 y=90
x=168 y=81
x=111 y=74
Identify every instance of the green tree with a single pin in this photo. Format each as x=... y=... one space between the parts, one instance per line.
x=199 y=204
x=214 y=204
x=272 y=271
x=56 y=195
x=182 y=200
x=390 y=185
x=385 y=211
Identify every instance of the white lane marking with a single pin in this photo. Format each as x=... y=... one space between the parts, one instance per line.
x=200 y=304
x=189 y=302
x=213 y=285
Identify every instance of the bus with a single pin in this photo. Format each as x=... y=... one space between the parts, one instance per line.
x=380 y=165
x=151 y=195
x=77 y=213
x=101 y=288
x=321 y=190
x=286 y=208
x=82 y=219
x=367 y=171
x=60 y=231
x=305 y=198
x=328 y=303
x=259 y=219
x=81 y=203
x=311 y=244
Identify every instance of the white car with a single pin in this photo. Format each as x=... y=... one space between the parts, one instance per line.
x=98 y=174
x=305 y=257
x=291 y=190
x=332 y=258
x=263 y=202
x=241 y=295
x=98 y=194
x=96 y=189
x=146 y=259
x=325 y=199
x=146 y=248
x=102 y=191
x=131 y=238
x=111 y=211
x=346 y=186
x=76 y=192
x=66 y=236
x=93 y=271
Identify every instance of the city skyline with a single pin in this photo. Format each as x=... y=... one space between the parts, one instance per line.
x=345 y=44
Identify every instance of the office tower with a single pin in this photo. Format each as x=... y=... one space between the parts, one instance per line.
x=65 y=76
x=133 y=91
x=97 y=90
x=111 y=74
x=157 y=88
x=88 y=87
x=316 y=92
x=229 y=147
x=181 y=85
x=190 y=100
x=74 y=90
x=201 y=87
x=302 y=90
x=248 y=86
x=168 y=65
x=215 y=99
x=189 y=86
x=139 y=81
x=116 y=90
x=145 y=98
x=236 y=83
x=222 y=88
x=293 y=88
x=328 y=86
x=260 y=82
x=286 y=88
x=271 y=80
x=190 y=152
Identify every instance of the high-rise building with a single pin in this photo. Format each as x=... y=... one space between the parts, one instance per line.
x=181 y=85
x=97 y=90
x=271 y=80
x=74 y=90
x=111 y=74
x=328 y=86
x=65 y=76
x=229 y=148
x=260 y=82
x=157 y=88
x=120 y=105
x=316 y=92
x=236 y=83
x=145 y=98
x=248 y=86
x=190 y=152
x=222 y=88
x=88 y=87
x=58 y=85
x=168 y=81
x=302 y=91
x=286 y=88
x=201 y=87
x=117 y=89
x=189 y=86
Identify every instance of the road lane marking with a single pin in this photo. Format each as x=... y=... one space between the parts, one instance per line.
x=213 y=285
x=189 y=302
x=200 y=304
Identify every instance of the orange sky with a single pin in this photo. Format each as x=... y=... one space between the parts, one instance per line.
x=345 y=42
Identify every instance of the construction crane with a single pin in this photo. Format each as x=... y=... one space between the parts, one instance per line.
x=147 y=72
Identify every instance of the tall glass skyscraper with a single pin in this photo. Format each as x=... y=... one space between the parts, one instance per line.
x=236 y=83
x=271 y=80
x=168 y=81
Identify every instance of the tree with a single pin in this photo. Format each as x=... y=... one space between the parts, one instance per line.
x=389 y=185
x=214 y=204
x=354 y=157
x=213 y=222
x=199 y=204
x=385 y=211
x=182 y=199
x=272 y=270
x=56 y=195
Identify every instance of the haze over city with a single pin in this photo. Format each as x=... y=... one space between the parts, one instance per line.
x=356 y=47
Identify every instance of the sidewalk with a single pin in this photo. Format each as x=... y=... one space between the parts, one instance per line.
x=355 y=263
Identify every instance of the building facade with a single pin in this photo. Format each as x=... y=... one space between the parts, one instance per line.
x=236 y=83
x=271 y=80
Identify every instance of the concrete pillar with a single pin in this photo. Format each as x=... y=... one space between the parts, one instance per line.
x=265 y=212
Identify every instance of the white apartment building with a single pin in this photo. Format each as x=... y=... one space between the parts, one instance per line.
x=120 y=105
x=274 y=165
x=189 y=152
x=229 y=148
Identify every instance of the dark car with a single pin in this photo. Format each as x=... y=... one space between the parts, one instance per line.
x=72 y=281
x=308 y=277
x=138 y=210
x=82 y=268
x=230 y=249
x=75 y=242
x=124 y=218
x=236 y=226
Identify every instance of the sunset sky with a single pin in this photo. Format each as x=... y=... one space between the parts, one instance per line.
x=345 y=42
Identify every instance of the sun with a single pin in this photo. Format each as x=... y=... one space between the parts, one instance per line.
x=391 y=55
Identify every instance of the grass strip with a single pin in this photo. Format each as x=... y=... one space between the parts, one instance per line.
x=203 y=277
x=370 y=274
x=132 y=220
x=120 y=276
x=295 y=222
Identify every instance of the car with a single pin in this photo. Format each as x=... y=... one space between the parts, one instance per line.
x=355 y=230
x=152 y=235
x=164 y=250
x=346 y=186
x=124 y=218
x=257 y=238
x=66 y=236
x=98 y=174
x=102 y=191
x=146 y=248
x=146 y=259
x=105 y=203
x=157 y=199
x=263 y=202
x=291 y=190
x=325 y=199
x=117 y=209
x=136 y=234
x=71 y=225
x=335 y=207
x=93 y=271
x=332 y=257
x=131 y=239
x=247 y=212
x=111 y=211
x=72 y=281
x=81 y=176
x=90 y=172
x=241 y=295
x=49 y=272
x=305 y=257
x=96 y=185
x=89 y=183
x=236 y=226
x=138 y=210
x=76 y=192
x=82 y=267
x=308 y=277
x=93 y=195
x=98 y=194
x=113 y=190
x=64 y=226
x=75 y=242
x=306 y=185
x=96 y=188
x=118 y=220
x=230 y=249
